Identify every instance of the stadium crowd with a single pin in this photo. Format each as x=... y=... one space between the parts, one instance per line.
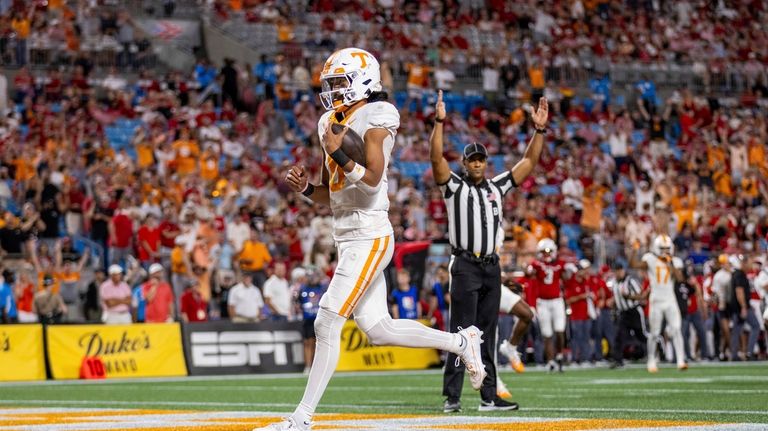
x=576 y=38
x=161 y=197
x=69 y=34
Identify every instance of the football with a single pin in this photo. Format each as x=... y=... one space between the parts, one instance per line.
x=352 y=144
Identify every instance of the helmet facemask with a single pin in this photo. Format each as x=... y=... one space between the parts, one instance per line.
x=337 y=91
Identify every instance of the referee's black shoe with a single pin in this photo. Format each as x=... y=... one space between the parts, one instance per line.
x=498 y=404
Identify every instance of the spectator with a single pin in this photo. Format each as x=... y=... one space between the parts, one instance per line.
x=310 y=294
x=444 y=78
x=254 y=258
x=741 y=312
x=439 y=298
x=71 y=288
x=8 y=311
x=194 y=306
x=148 y=241
x=277 y=294
x=116 y=298
x=245 y=301
x=405 y=299
x=47 y=304
x=121 y=234
x=24 y=291
x=577 y=297
x=266 y=75
x=158 y=296
x=21 y=25
x=229 y=86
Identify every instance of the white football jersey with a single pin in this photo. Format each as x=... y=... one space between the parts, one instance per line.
x=357 y=215
x=760 y=284
x=660 y=277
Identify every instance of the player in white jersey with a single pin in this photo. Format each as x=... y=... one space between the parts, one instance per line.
x=663 y=270
x=761 y=287
x=358 y=197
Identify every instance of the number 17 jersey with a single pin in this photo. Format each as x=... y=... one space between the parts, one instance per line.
x=660 y=277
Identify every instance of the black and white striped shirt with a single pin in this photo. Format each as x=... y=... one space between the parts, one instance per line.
x=475 y=212
x=628 y=286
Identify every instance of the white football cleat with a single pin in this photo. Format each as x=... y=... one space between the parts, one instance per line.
x=471 y=357
x=511 y=353
x=652 y=367
x=289 y=424
x=501 y=389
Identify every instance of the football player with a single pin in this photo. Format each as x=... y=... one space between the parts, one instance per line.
x=352 y=95
x=663 y=270
x=512 y=303
x=761 y=287
x=761 y=290
x=548 y=271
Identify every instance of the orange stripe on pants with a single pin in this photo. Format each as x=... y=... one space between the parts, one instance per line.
x=362 y=284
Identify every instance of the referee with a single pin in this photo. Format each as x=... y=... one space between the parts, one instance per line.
x=474 y=205
x=628 y=296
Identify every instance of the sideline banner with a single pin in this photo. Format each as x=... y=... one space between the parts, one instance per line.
x=139 y=350
x=224 y=347
x=357 y=354
x=21 y=352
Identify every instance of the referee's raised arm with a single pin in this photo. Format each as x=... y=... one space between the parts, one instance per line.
x=440 y=169
x=530 y=159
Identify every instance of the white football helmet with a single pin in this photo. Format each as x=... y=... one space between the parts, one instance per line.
x=662 y=245
x=547 y=249
x=348 y=76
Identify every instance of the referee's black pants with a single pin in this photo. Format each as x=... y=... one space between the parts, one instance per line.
x=628 y=322
x=475 y=295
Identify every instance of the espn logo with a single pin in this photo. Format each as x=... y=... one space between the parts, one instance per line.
x=245 y=348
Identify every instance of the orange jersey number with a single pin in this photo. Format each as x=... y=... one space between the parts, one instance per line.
x=662 y=274
x=336 y=176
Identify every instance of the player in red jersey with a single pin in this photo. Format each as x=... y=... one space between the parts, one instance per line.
x=548 y=271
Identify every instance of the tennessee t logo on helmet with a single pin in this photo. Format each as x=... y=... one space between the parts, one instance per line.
x=349 y=75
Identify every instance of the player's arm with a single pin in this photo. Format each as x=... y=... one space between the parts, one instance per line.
x=530 y=159
x=634 y=260
x=570 y=298
x=297 y=179
x=676 y=268
x=367 y=178
x=440 y=169
x=395 y=311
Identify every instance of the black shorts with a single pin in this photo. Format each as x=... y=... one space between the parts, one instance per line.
x=308 y=328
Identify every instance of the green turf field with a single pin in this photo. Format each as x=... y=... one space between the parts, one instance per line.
x=706 y=392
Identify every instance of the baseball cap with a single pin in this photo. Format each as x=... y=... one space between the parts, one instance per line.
x=115 y=269
x=475 y=148
x=155 y=267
